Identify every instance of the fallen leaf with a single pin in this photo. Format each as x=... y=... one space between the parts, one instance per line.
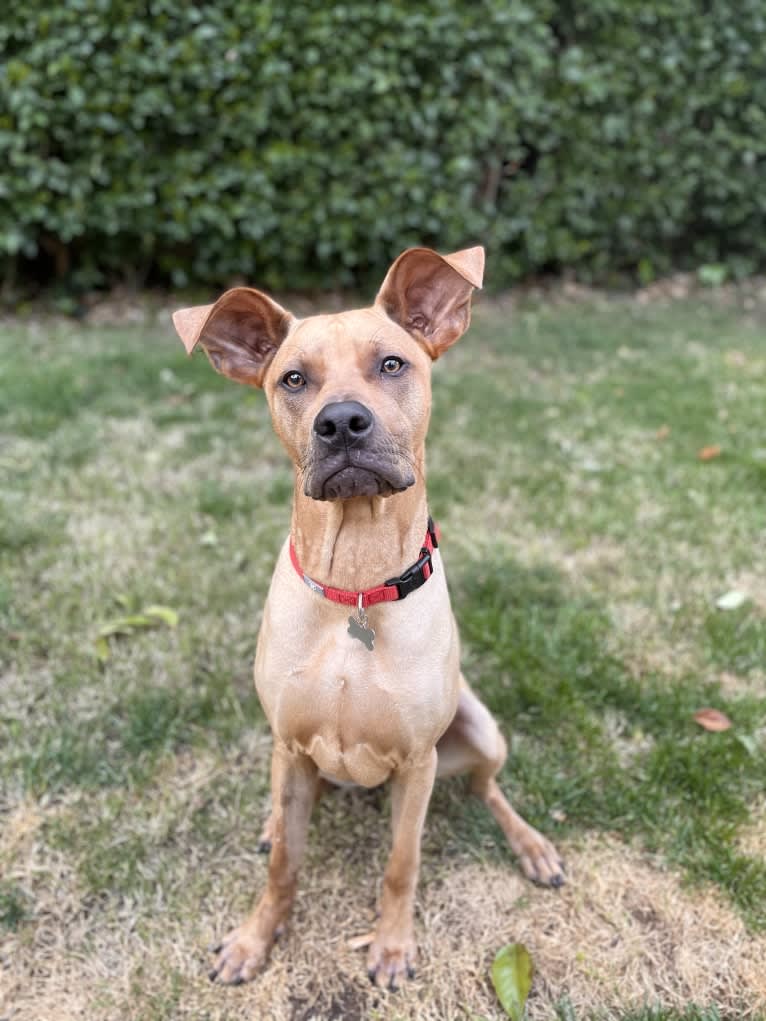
x=558 y=815
x=102 y=649
x=359 y=942
x=663 y=432
x=127 y=625
x=150 y=617
x=709 y=453
x=512 y=971
x=731 y=600
x=749 y=743
x=164 y=613
x=712 y=719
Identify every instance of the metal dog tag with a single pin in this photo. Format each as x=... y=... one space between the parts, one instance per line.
x=358 y=627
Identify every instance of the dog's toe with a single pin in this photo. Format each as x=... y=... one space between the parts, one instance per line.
x=241 y=956
x=390 y=962
x=540 y=862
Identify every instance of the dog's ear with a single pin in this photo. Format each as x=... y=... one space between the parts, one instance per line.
x=240 y=332
x=429 y=295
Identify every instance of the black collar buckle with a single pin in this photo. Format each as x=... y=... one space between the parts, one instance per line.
x=414 y=576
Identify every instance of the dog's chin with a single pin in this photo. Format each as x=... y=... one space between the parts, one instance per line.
x=353 y=480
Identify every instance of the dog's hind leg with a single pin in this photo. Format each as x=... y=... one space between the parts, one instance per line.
x=473 y=743
x=294 y=779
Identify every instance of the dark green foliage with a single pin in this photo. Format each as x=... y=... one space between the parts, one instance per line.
x=303 y=144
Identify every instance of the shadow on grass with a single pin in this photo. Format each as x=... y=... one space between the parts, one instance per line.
x=603 y=748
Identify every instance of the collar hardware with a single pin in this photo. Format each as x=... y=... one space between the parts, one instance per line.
x=391 y=590
x=414 y=576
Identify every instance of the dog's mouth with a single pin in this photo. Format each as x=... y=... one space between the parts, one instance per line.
x=353 y=473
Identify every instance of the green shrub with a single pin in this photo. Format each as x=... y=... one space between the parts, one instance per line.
x=304 y=144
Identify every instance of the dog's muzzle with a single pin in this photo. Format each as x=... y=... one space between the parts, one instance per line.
x=349 y=457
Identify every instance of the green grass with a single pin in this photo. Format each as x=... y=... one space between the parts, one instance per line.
x=586 y=544
x=13 y=906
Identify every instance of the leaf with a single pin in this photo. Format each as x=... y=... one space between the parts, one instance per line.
x=512 y=971
x=151 y=617
x=663 y=432
x=712 y=719
x=749 y=743
x=127 y=625
x=712 y=274
x=164 y=613
x=731 y=600
x=103 y=651
x=709 y=453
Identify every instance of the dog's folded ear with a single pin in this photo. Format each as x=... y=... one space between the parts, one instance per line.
x=429 y=295
x=240 y=332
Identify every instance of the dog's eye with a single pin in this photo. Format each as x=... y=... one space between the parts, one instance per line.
x=391 y=365
x=293 y=380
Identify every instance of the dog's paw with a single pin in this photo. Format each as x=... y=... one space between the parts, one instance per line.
x=540 y=861
x=390 y=960
x=240 y=956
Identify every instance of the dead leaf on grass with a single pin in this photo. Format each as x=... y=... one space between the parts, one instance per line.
x=709 y=453
x=663 y=432
x=712 y=719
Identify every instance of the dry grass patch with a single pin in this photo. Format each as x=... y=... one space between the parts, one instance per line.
x=624 y=932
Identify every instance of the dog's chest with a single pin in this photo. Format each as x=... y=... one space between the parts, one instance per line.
x=357 y=720
x=359 y=713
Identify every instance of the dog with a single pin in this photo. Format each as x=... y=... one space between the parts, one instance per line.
x=357 y=663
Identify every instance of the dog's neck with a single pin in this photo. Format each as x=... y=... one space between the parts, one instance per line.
x=359 y=543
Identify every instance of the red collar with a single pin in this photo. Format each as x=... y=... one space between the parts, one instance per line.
x=391 y=590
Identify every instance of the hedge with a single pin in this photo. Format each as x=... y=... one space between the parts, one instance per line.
x=299 y=145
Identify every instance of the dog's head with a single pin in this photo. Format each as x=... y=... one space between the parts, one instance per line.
x=349 y=393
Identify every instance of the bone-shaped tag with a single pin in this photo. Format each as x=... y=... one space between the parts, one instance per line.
x=366 y=635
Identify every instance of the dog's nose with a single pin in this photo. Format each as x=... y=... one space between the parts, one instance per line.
x=343 y=422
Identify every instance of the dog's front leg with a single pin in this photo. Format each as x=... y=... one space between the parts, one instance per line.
x=392 y=953
x=243 y=952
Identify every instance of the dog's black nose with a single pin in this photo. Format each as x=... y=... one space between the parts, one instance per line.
x=343 y=423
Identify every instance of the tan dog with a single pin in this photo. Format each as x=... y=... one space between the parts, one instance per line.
x=377 y=694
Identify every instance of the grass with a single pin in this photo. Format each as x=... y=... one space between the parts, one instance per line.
x=587 y=544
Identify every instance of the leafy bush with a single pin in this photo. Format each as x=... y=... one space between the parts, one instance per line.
x=304 y=144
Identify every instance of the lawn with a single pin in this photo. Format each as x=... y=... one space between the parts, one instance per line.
x=588 y=541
